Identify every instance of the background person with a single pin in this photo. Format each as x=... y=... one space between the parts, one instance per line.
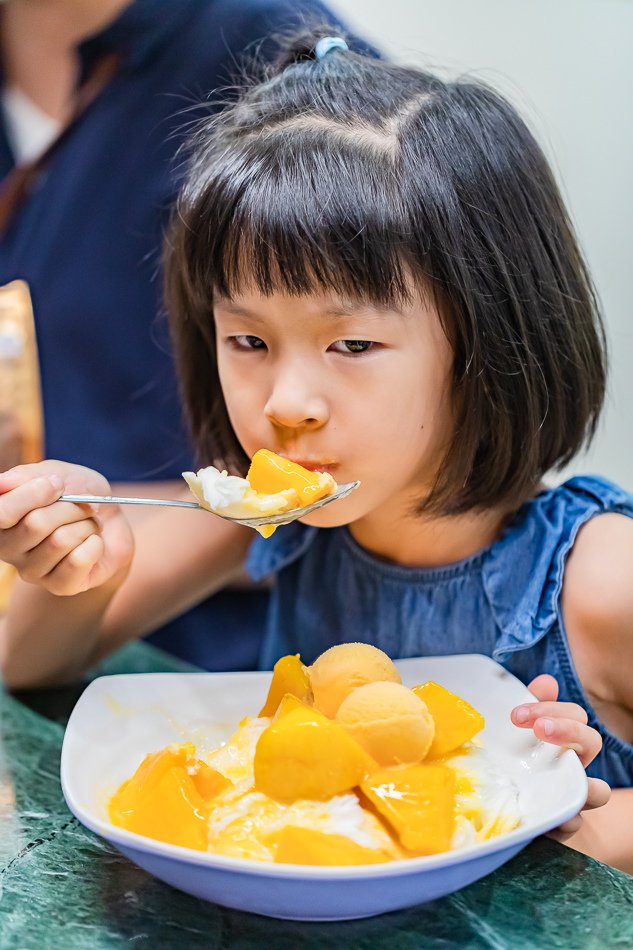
x=95 y=103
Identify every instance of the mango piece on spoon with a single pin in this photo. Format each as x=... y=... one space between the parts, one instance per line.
x=270 y=473
x=273 y=485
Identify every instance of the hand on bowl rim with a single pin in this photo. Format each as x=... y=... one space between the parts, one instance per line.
x=564 y=725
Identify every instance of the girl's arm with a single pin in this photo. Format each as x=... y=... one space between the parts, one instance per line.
x=597 y=602
x=604 y=830
x=607 y=833
x=81 y=597
x=597 y=605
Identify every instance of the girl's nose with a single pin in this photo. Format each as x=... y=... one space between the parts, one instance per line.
x=294 y=403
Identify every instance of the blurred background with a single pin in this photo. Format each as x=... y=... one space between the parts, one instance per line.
x=568 y=66
x=90 y=198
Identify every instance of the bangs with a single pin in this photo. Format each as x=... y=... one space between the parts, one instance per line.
x=383 y=185
x=321 y=215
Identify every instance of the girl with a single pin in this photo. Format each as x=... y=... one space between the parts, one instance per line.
x=371 y=272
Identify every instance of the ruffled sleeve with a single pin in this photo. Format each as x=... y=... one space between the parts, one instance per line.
x=523 y=576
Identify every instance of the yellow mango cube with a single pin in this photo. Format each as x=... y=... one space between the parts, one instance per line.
x=456 y=722
x=288 y=703
x=419 y=804
x=270 y=473
x=303 y=754
x=289 y=676
x=295 y=845
x=165 y=801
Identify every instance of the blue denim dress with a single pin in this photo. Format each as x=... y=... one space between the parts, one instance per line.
x=504 y=601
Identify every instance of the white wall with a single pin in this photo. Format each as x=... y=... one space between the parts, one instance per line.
x=568 y=66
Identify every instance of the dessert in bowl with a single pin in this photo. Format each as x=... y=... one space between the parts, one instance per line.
x=343 y=765
x=280 y=850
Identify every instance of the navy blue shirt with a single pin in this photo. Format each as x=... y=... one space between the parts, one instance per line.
x=87 y=239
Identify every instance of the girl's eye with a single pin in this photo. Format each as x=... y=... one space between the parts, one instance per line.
x=352 y=346
x=247 y=342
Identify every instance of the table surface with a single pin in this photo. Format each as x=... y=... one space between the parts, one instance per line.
x=63 y=887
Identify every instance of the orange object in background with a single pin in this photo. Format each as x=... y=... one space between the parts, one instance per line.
x=289 y=676
x=168 y=798
x=456 y=722
x=270 y=473
x=21 y=425
x=419 y=804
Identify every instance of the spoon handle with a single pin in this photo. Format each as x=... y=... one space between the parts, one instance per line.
x=114 y=500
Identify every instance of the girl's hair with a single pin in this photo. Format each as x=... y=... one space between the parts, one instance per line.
x=374 y=181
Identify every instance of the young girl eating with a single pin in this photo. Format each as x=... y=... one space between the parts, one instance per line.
x=370 y=272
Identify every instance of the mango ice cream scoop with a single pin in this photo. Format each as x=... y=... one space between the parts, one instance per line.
x=345 y=667
x=389 y=721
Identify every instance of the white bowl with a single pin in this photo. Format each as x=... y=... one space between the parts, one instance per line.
x=119 y=719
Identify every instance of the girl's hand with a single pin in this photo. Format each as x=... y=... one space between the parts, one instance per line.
x=63 y=547
x=565 y=725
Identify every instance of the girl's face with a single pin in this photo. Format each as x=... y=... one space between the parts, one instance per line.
x=353 y=389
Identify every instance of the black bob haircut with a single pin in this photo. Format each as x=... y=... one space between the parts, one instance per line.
x=356 y=176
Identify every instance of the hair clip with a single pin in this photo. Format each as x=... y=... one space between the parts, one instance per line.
x=327 y=43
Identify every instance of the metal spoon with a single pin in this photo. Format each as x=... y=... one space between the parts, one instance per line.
x=284 y=517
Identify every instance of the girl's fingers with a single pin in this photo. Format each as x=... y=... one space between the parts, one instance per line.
x=37 y=493
x=598 y=793
x=544 y=687
x=41 y=560
x=565 y=831
x=42 y=523
x=72 y=574
x=570 y=734
x=526 y=715
x=21 y=474
x=36 y=528
x=563 y=724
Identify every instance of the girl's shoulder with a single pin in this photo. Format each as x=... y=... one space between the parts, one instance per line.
x=552 y=519
x=582 y=496
x=526 y=567
x=597 y=607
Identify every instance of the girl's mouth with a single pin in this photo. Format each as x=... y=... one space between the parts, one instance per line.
x=314 y=465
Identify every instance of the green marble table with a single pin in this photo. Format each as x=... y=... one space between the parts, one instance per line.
x=62 y=887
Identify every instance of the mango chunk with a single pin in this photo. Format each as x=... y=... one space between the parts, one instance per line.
x=266 y=530
x=288 y=703
x=163 y=800
x=208 y=781
x=295 y=845
x=419 y=804
x=456 y=722
x=270 y=473
x=303 y=754
x=289 y=676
